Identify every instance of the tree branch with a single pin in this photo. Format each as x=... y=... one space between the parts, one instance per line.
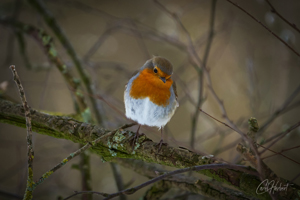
x=119 y=145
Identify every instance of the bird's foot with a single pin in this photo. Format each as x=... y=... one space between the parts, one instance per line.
x=161 y=143
x=136 y=139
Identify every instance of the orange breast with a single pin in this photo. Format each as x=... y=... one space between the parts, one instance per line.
x=147 y=84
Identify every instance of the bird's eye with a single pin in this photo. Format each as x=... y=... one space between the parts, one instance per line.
x=155 y=70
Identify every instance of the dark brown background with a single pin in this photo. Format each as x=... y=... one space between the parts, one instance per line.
x=251 y=70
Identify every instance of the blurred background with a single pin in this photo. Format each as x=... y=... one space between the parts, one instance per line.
x=251 y=71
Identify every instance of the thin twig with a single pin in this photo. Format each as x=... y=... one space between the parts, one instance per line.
x=281 y=17
x=86 y=192
x=258 y=21
x=280 y=154
x=30 y=152
x=281 y=136
x=76 y=153
x=62 y=163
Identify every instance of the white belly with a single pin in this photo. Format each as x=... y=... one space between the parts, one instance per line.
x=145 y=112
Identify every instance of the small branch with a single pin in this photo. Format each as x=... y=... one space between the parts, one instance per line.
x=280 y=154
x=195 y=168
x=58 y=166
x=283 y=150
x=73 y=155
x=30 y=152
x=86 y=192
x=258 y=21
x=281 y=136
x=281 y=17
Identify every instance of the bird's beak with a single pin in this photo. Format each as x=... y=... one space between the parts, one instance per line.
x=163 y=79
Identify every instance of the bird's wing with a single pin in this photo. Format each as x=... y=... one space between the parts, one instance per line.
x=175 y=92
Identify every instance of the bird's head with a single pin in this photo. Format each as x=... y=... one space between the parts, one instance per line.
x=161 y=68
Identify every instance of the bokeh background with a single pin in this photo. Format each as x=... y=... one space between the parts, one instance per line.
x=251 y=70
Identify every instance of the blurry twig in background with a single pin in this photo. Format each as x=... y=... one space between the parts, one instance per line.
x=30 y=152
x=283 y=150
x=280 y=136
x=280 y=153
x=281 y=17
x=258 y=21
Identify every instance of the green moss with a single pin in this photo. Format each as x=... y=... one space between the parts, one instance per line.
x=247 y=182
x=136 y=146
x=47 y=174
x=217 y=175
x=103 y=159
x=52 y=52
x=86 y=115
x=65 y=161
x=76 y=81
x=64 y=69
x=112 y=152
x=118 y=136
x=78 y=93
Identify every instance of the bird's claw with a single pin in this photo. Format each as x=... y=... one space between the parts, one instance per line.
x=135 y=139
x=160 y=144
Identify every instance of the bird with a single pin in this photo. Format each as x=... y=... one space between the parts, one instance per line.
x=150 y=95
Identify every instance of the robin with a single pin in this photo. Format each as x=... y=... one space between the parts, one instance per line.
x=150 y=95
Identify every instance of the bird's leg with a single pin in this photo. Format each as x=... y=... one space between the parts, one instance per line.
x=161 y=139
x=136 y=137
